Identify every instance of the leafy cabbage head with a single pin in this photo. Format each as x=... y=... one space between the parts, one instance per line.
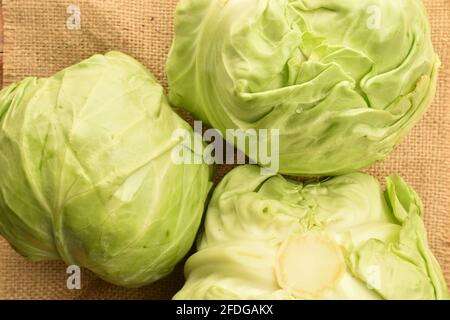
x=342 y=238
x=343 y=81
x=86 y=174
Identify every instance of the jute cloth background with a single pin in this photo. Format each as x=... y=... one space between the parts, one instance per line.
x=38 y=43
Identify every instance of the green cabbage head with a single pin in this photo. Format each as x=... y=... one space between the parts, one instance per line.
x=86 y=174
x=343 y=238
x=343 y=81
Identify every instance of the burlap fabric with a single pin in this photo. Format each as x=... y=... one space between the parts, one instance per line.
x=39 y=43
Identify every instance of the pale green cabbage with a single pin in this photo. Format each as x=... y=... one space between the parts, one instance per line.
x=342 y=238
x=86 y=174
x=344 y=81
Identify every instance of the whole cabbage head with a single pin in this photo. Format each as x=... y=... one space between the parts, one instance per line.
x=343 y=238
x=86 y=174
x=343 y=81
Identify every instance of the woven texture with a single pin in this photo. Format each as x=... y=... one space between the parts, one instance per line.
x=38 y=43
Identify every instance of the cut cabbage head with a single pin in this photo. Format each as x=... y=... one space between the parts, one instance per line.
x=340 y=238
